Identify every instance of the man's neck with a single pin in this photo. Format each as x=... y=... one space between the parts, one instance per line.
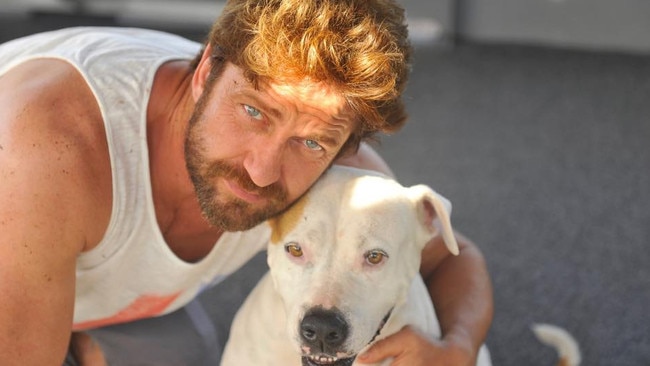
x=177 y=211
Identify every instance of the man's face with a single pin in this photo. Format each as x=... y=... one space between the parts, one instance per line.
x=252 y=152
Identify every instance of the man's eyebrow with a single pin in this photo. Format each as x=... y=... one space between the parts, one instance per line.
x=333 y=136
x=259 y=102
x=327 y=140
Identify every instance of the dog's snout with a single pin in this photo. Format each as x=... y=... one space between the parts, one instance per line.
x=326 y=330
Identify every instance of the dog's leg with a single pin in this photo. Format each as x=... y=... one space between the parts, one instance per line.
x=258 y=334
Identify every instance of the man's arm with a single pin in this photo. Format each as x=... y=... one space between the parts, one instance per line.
x=461 y=289
x=47 y=207
x=36 y=267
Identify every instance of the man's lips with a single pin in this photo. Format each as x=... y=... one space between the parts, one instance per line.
x=241 y=193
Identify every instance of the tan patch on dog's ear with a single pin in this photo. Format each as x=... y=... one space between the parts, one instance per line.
x=287 y=221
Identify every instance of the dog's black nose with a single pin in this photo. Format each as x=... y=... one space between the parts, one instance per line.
x=326 y=330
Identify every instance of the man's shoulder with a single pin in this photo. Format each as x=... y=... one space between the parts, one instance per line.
x=46 y=96
x=52 y=140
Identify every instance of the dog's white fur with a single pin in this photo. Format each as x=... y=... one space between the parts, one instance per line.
x=321 y=256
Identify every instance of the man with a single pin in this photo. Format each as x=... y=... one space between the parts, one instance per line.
x=108 y=136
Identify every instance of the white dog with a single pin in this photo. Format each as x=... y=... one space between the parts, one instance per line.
x=343 y=273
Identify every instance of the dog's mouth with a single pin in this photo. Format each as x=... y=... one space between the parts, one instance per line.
x=324 y=360
x=327 y=360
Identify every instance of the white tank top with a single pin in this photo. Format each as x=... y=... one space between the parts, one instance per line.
x=132 y=273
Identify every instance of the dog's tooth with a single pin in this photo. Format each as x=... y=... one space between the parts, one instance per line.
x=323 y=359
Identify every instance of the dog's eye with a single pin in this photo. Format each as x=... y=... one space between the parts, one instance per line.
x=293 y=249
x=375 y=256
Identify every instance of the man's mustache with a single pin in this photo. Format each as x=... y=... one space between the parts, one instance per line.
x=240 y=177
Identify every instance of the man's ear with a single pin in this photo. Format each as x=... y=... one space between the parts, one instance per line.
x=434 y=209
x=201 y=73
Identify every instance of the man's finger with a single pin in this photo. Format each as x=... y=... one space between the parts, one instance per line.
x=390 y=346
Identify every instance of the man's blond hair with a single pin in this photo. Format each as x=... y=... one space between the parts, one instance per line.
x=359 y=47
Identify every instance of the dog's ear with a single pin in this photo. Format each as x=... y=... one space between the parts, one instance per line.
x=433 y=212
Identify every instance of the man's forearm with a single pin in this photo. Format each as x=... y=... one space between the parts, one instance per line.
x=461 y=291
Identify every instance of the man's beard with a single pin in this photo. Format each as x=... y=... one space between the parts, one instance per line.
x=229 y=214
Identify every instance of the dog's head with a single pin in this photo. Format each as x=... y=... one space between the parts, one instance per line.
x=344 y=256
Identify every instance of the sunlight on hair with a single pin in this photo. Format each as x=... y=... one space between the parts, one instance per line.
x=358 y=47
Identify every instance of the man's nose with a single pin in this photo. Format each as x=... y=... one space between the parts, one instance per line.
x=264 y=164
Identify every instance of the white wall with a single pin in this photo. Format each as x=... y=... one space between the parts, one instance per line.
x=432 y=16
x=621 y=25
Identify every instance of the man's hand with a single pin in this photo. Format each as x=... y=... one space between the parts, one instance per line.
x=408 y=347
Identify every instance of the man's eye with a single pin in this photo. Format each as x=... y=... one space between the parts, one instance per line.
x=253 y=112
x=313 y=145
